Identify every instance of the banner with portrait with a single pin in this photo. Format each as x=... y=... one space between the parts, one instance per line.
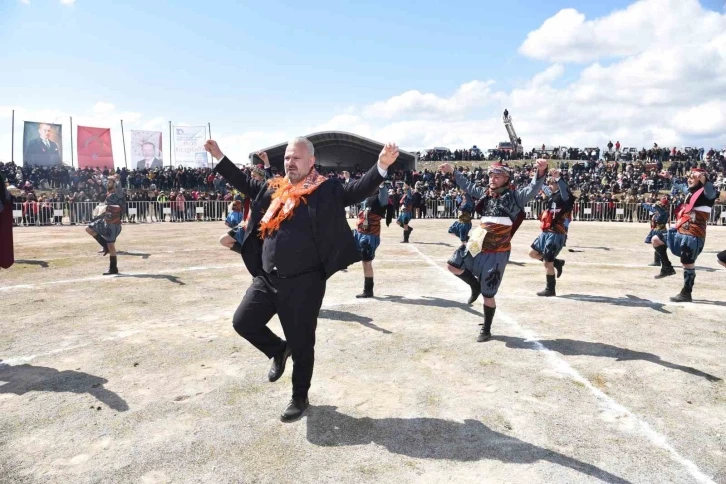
x=189 y=146
x=146 y=150
x=42 y=144
x=94 y=148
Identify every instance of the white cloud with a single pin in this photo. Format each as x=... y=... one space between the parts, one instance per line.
x=103 y=107
x=25 y=2
x=644 y=25
x=67 y=2
x=468 y=96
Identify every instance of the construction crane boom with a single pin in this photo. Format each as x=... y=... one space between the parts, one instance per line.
x=513 y=138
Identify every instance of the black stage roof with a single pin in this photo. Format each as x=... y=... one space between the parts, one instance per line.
x=339 y=150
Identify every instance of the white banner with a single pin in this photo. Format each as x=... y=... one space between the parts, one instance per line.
x=189 y=146
x=146 y=150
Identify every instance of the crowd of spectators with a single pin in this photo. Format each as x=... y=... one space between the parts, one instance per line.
x=605 y=180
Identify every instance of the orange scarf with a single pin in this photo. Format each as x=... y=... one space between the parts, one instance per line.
x=286 y=199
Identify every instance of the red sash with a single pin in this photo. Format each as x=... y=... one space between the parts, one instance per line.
x=684 y=213
x=546 y=219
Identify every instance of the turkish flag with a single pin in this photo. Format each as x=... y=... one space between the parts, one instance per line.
x=94 y=148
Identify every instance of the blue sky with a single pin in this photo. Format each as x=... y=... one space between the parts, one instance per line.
x=264 y=66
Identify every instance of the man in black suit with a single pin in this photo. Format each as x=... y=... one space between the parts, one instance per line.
x=296 y=238
x=150 y=161
x=42 y=151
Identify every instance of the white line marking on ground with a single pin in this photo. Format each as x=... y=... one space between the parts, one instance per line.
x=232 y=266
x=657 y=439
x=121 y=276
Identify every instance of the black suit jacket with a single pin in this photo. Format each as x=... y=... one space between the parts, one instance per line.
x=156 y=163
x=326 y=207
x=39 y=154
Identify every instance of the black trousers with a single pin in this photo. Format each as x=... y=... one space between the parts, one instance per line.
x=297 y=302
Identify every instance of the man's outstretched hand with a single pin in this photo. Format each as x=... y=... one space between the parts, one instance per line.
x=388 y=155
x=542 y=166
x=213 y=148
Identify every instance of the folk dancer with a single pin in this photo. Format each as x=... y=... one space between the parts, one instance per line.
x=687 y=238
x=106 y=227
x=297 y=237
x=482 y=261
x=462 y=226
x=555 y=223
x=406 y=213
x=658 y=236
x=237 y=219
x=367 y=234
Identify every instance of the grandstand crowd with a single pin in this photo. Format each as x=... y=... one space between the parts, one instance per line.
x=601 y=181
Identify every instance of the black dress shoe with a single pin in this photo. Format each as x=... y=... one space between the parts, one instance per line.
x=278 y=364
x=295 y=409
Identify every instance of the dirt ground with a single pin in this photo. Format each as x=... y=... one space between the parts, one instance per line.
x=140 y=378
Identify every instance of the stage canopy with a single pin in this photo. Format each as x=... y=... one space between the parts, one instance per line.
x=339 y=150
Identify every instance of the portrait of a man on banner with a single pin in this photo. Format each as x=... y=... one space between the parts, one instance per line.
x=42 y=144
x=147 y=145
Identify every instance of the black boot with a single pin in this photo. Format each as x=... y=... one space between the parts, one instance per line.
x=689 y=278
x=113 y=269
x=550 y=290
x=559 y=264
x=656 y=260
x=666 y=269
x=102 y=242
x=473 y=283
x=236 y=248
x=406 y=233
x=367 y=288
x=485 y=334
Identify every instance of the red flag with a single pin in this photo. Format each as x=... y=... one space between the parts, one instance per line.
x=94 y=148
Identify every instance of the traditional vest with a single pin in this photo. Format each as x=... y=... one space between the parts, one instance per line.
x=694 y=214
x=556 y=218
x=369 y=219
x=499 y=212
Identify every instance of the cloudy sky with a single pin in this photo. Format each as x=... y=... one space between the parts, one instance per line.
x=430 y=74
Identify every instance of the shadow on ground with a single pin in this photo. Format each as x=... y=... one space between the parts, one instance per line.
x=629 y=301
x=444 y=244
x=570 y=347
x=22 y=379
x=431 y=301
x=40 y=263
x=432 y=438
x=168 y=277
x=134 y=254
x=350 y=317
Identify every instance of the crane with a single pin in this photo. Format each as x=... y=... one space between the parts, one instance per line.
x=513 y=138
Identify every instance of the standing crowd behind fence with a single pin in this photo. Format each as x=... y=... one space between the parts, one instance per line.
x=77 y=213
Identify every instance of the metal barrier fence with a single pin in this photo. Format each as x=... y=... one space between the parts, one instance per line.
x=75 y=213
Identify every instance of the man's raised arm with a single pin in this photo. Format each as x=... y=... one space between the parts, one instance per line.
x=231 y=173
x=463 y=182
x=359 y=190
x=527 y=193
